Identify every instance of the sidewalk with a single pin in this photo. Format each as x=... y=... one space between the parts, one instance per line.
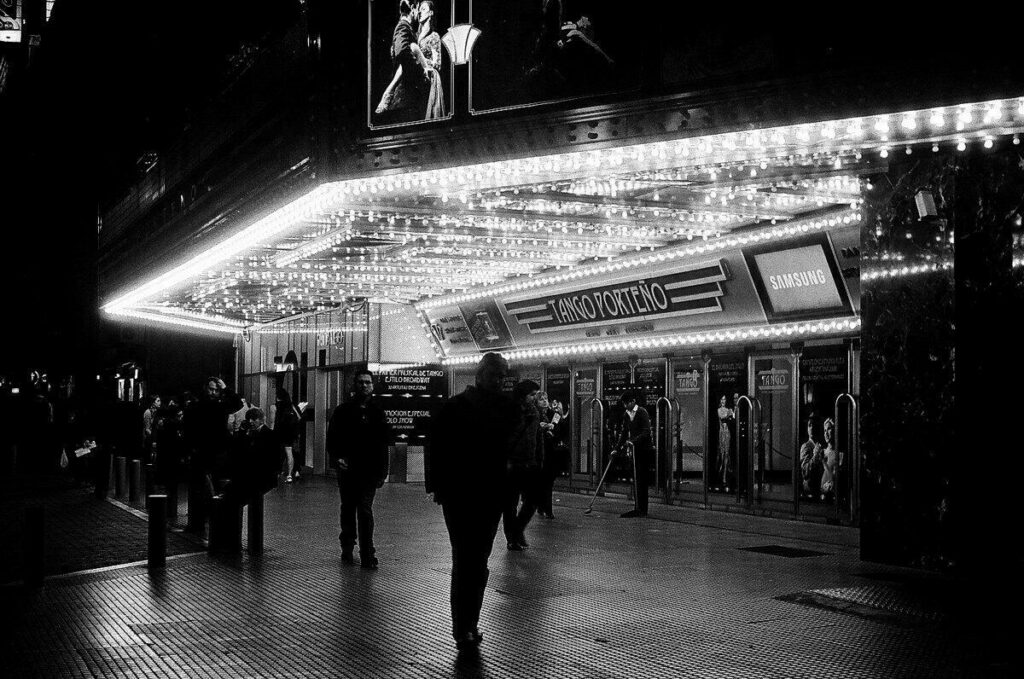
x=684 y=593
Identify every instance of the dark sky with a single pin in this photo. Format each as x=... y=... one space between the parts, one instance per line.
x=111 y=79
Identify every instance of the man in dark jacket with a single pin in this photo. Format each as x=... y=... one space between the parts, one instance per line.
x=357 y=446
x=636 y=430
x=467 y=475
x=255 y=460
x=208 y=439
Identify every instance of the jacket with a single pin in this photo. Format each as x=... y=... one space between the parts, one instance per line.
x=360 y=436
x=468 y=448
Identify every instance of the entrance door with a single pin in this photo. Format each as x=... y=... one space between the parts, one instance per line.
x=775 y=440
x=686 y=451
x=586 y=448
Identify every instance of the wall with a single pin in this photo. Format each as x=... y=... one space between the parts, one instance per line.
x=938 y=362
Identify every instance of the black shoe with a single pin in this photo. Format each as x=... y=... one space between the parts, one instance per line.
x=346 y=556
x=522 y=541
x=468 y=641
x=515 y=546
x=633 y=514
x=368 y=562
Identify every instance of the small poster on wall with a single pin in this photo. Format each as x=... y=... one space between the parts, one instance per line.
x=409 y=78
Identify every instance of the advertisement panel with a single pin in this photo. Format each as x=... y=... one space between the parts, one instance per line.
x=410 y=396
x=532 y=53
x=409 y=79
x=10 y=21
x=799 y=280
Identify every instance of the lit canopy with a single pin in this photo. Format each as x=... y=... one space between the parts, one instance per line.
x=414 y=237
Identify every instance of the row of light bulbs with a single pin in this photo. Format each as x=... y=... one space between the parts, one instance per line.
x=786 y=332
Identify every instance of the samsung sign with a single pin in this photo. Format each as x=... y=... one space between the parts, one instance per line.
x=800 y=281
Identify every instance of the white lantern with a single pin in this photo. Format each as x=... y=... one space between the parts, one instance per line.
x=459 y=41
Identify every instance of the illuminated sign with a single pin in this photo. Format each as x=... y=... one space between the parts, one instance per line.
x=694 y=290
x=10 y=21
x=802 y=280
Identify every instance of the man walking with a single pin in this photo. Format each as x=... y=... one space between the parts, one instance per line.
x=357 y=447
x=636 y=430
x=206 y=433
x=466 y=474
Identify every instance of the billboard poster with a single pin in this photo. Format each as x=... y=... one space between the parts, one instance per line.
x=10 y=21
x=409 y=74
x=545 y=51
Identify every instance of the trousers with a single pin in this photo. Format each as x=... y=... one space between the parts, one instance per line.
x=471 y=530
x=356 y=513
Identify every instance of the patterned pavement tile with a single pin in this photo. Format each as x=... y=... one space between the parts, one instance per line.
x=594 y=596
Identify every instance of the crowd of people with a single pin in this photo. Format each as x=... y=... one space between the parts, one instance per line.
x=492 y=457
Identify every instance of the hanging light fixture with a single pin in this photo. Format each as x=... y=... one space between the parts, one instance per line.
x=459 y=41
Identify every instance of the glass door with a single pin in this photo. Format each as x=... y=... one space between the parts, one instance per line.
x=686 y=452
x=586 y=448
x=775 y=441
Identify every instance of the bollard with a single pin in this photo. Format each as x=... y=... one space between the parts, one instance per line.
x=135 y=481
x=149 y=476
x=225 y=526
x=33 y=542
x=255 y=524
x=172 y=498
x=156 y=505
x=103 y=473
x=120 y=477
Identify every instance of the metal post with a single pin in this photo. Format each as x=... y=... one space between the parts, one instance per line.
x=171 y=489
x=120 y=477
x=852 y=477
x=135 y=481
x=156 y=505
x=753 y=417
x=149 y=475
x=255 y=524
x=597 y=449
x=663 y=460
x=33 y=543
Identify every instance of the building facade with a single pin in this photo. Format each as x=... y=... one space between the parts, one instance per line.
x=772 y=236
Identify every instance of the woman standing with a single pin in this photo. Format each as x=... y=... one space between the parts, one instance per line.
x=725 y=418
x=555 y=430
x=430 y=45
x=286 y=429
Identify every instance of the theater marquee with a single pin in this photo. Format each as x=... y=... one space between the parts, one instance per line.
x=696 y=290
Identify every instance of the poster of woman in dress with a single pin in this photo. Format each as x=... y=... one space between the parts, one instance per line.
x=539 y=51
x=410 y=76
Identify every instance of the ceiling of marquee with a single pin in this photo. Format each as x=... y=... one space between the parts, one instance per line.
x=412 y=242
x=422 y=234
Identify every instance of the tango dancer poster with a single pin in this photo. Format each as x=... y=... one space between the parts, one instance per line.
x=544 y=51
x=409 y=79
